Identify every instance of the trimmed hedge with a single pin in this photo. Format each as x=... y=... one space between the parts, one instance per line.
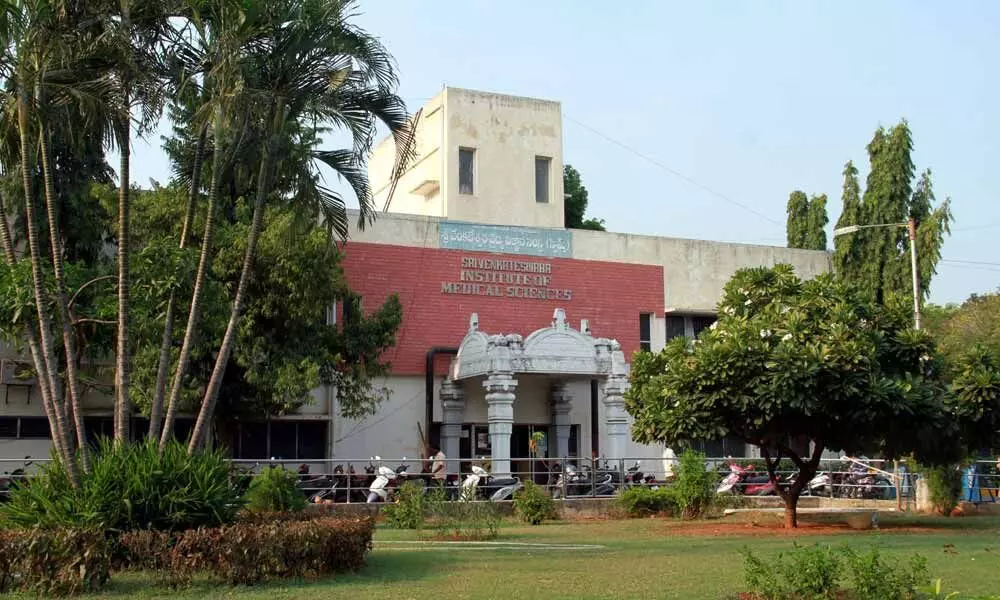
x=644 y=501
x=50 y=562
x=251 y=553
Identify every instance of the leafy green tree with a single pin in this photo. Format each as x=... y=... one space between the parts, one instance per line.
x=960 y=328
x=797 y=225
x=575 y=206
x=284 y=349
x=806 y=224
x=816 y=221
x=877 y=258
x=790 y=360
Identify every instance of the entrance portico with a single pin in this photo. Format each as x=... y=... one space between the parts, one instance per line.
x=558 y=352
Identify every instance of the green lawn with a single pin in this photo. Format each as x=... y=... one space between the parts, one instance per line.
x=649 y=558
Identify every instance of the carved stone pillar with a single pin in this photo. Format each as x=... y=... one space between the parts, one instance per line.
x=615 y=417
x=500 y=396
x=561 y=405
x=452 y=416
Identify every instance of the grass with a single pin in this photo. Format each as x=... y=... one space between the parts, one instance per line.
x=648 y=558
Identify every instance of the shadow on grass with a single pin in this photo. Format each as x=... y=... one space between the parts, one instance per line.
x=383 y=568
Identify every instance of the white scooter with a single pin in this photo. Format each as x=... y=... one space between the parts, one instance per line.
x=494 y=489
x=379 y=489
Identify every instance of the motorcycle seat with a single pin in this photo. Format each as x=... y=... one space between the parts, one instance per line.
x=503 y=481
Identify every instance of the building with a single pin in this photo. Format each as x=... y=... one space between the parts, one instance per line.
x=511 y=324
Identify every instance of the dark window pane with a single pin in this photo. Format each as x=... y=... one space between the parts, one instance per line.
x=466 y=167
x=8 y=427
x=34 y=428
x=97 y=428
x=542 y=165
x=644 y=328
x=700 y=323
x=283 y=440
x=140 y=429
x=574 y=440
x=253 y=441
x=182 y=429
x=675 y=327
x=312 y=440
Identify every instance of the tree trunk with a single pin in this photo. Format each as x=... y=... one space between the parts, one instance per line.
x=123 y=363
x=199 y=285
x=208 y=403
x=47 y=365
x=62 y=300
x=791 y=511
x=163 y=368
x=10 y=257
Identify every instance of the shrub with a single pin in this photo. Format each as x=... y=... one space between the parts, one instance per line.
x=945 y=487
x=275 y=489
x=815 y=572
x=54 y=562
x=878 y=578
x=246 y=554
x=533 y=504
x=407 y=512
x=644 y=501
x=694 y=488
x=132 y=486
x=463 y=520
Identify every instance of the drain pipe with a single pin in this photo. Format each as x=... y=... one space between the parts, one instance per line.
x=429 y=383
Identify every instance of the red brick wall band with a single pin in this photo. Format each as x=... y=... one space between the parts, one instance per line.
x=440 y=289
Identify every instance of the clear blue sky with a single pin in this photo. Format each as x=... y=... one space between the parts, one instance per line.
x=748 y=99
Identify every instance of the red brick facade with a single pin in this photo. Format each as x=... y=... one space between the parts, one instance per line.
x=438 y=294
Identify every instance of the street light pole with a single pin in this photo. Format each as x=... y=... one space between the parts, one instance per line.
x=911 y=228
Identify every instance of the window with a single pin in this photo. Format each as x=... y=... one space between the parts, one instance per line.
x=700 y=323
x=312 y=440
x=8 y=428
x=35 y=428
x=281 y=440
x=542 y=165
x=466 y=171
x=675 y=327
x=645 y=332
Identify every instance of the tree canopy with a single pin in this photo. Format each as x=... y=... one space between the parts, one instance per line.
x=877 y=258
x=790 y=360
x=806 y=224
x=575 y=206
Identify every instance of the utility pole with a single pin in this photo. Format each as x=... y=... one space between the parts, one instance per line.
x=911 y=226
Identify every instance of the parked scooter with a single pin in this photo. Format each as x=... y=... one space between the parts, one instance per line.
x=744 y=480
x=573 y=482
x=480 y=485
x=378 y=491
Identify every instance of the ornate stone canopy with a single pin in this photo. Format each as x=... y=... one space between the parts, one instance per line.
x=557 y=350
x=554 y=350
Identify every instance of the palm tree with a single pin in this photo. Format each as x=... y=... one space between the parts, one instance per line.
x=139 y=29
x=311 y=66
x=220 y=35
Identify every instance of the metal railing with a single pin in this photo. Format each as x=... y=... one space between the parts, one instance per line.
x=348 y=480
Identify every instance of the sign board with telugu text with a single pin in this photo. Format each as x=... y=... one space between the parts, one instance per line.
x=553 y=243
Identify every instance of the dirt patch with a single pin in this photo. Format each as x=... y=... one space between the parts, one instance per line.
x=774 y=527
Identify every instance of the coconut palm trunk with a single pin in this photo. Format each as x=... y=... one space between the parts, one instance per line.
x=123 y=363
x=47 y=363
x=62 y=298
x=208 y=403
x=204 y=261
x=163 y=368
